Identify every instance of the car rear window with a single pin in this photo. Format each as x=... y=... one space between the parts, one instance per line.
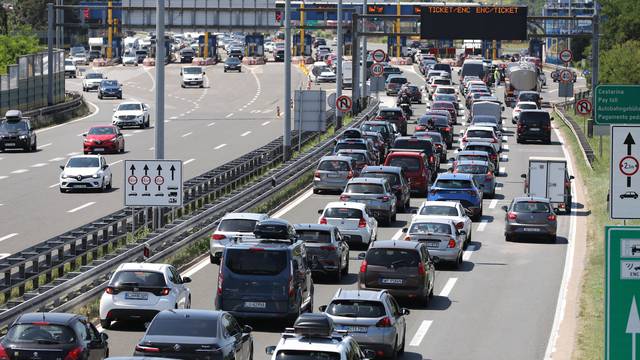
x=453 y=184
x=364 y=188
x=138 y=278
x=314 y=236
x=356 y=308
x=237 y=225
x=307 y=355
x=486 y=148
x=535 y=118
x=41 y=332
x=472 y=169
x=442 y=105
x=479 y=134
x=343 y=213
x=392 y=179
x=350 y=145
x=439 y=210
x=389 y=114
x=414 y=144
x=528 y=106
x=356 y=156
x=395 y=257
x=256 y=261
x=473 y=157
x=437 y=119
x=434 y=138
x=333 y=165
x=161 y=326
x=377 y=128
x=528 y=97
x=442 y=81
x=405 y=162
x=426 y=228
x=531 y=207
x=398 y=80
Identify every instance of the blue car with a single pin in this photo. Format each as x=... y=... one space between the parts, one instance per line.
x=109 y=88
x=458 y=187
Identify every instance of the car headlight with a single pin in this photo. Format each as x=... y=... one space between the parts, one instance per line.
x=63 y=176
x=23 y=137
x=96 y=175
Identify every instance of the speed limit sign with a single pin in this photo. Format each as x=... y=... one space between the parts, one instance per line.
x=566 y=76
x=377 y=69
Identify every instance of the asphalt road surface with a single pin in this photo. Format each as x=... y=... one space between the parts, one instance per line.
x=501 y=303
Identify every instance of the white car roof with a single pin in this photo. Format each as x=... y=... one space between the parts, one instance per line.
x=440 y=219
x=319 y=344
x=527 y=103
x=439 y=203
x=345 y=204
x=86 y=156
x=130 y=102
x=475 y=127
x=246 y=216
x=142 y=266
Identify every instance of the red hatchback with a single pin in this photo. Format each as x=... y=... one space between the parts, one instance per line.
x=103 y=139
x=415 y=166
x=446 y=105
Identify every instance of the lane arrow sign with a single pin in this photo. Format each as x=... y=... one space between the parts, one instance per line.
x=146 y=169
x=629 y=142
x=173 y=170
x=159 y=168
x=633 y=326
x=133 y=169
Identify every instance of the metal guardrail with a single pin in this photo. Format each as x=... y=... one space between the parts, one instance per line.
x=585 y=147
x=228 y=189
x=38 y=116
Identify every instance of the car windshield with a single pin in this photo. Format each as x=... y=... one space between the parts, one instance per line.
x=356 y=308
x=531 y=207
x=138 y=278
x=364 y=188
x=41 y=332
x=439 y=210
x=398 y=80
x=472 y=169
x=426 y=228
x=405 y=162
x=307 y=355
x=392 y=257
x=80 y=162
x=256 y=261
x=13 y=126
x=233 y=60
x=68 y=62
x=111 y=83
x=94 y=76
x=333 y=165
x=453 y=184
x=237 y=225
x=314 y=236
x=192 y=70
x=162 y=326
x=102 y=131
x=127 y=107
x=479 y=134
x=392 y=178
x=343 y=213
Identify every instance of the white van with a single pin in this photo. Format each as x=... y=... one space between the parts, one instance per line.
x=192 y=76
x=347 y=74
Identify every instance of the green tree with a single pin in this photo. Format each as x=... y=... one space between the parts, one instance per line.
x=20 y=42
x=620 y=65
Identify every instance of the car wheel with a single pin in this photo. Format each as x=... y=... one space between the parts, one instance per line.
x=458 y=264
x=182 y=85
x=63 y=190
x=86 y=152
x=338 y=274
x=103 y=186
x=316 y=191
x=99 y=96
x=552 y=239
x=404 y=338
x=394 y=352
x=345 y=271
x=508 y=237
x=110 y=184
x=120 y=97
x=407 y=205
x=105 y=324
x=122 y=149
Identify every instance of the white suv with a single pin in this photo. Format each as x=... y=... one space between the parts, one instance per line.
x=131 y=113
x=313 y=337
x=354 y=220
x=141 y=290
x=231 y=226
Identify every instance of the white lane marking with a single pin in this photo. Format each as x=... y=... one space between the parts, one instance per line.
x=181 y=115
x=245 y=133
x=189 y=161
x=73 y=153
x=466 y=255
x=137 y=131
x=197 y=267
x=267 y=111
x=20 y=171
x=56 y=159
x=38 y=165
x=448 y=286
x=211 y=124
x=187 y=134
x=7 y=237
x=4 y=255
x=266 y=123
x=505 y=147
x=219 y=146
x=293 y=204
x=2 y=177
x=568 y=262
x=482 y=225
x=54 y=185
x=422 y=331
x=229 y=115
x=493 y=204
x=115 y=162
x=505 y=138
x=504 y=157
x=189 y=111
x=173 y=117
x=42 y=146
x=397 y=235
x=127 y=135
x=81 y=207
x=1 y=158
x=503 y=170
x=167 y=121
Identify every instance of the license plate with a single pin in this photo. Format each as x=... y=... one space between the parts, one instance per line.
x=392 y=281
x=9 y=144
x=534 y=129
x=135 y=296
x=333 y=175
x=358 y=329
x=531 y=229
x=433 y=244
x=98 y=149
x=256 y=305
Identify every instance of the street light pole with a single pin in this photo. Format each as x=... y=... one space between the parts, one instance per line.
x=286 y=134
x=160 y=54
x=50 y=34
x=339 y=65
x=363 y=57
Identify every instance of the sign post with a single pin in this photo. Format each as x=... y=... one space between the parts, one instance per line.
x=622 y=292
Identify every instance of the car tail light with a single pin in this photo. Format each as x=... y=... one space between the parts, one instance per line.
x=165 y=292
x=512 y=216
x=344 y=197
x=3 y=353
x=494 y=140
x=421 y=269
x=384 y=322
x=350 y=174
x=292 y=289
x=110 y=290
x=362 y=223
x=433 y=192
x=489 y=176
x=460 y=225
x=220 y=282
x=74 y=354
x=363 y=266
x=407 y=238
x=551 y=217
x=431 y=159
x=452 y=244
x=464 y=138
x=420 y=128
x=446 y=129
x=439 y=146
x=493 y=156
x=316 y=174
x=328 y=248
x=141 y=348
x=217 y=237
x=323 y=221
x=379 y=118
x=471 y=192
x=384 y=198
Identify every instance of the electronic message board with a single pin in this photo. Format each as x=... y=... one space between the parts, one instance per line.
x=473 y=22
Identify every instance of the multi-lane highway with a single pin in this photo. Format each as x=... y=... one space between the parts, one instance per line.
x=502 y=303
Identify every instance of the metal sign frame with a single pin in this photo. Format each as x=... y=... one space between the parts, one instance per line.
x=624 y=190
x=153 y=183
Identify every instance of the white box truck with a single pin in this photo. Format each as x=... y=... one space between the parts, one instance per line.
x=549 y=178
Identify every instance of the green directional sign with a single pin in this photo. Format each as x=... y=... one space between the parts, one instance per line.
x=622 y=292
x=617 y=104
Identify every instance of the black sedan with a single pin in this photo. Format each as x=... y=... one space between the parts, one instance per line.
x=109 y=88
x=51 y=336
x=196 y=334
x=233 y=64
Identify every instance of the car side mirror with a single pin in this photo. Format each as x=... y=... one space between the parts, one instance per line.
x=186 y=279
x=61 y=167
x=180 y=73
x=361 y=256
x=104 y=337
x=269 y=350
x=505 y=208
x=405 y=230
x=571 y=177
x=247 y=329
x=322 y=308
x=462 y=232
x=104 y=167
x=320 y=211
x=405 y=311
x=84 y=134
